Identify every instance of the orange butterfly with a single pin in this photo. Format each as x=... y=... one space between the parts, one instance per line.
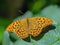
x=29 y=26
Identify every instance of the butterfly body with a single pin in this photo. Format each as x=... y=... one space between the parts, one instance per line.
x=29 y=26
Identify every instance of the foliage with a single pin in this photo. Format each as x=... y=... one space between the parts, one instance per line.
x=3 y=23
x=37 y=6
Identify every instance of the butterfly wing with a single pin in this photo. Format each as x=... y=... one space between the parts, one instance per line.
x=19 y=27
x=37 y=24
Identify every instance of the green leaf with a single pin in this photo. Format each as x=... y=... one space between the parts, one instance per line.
x=6 y=39
x=54 y=1
x=57 y=43
x=22 y=42
x=37 y=6
x=1 y=35
x=3 y=26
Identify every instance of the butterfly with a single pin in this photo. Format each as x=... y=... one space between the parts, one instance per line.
x=29 y=26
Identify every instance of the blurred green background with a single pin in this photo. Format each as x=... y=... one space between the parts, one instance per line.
x=11 y=9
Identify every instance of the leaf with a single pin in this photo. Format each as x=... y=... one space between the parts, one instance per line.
x=1 y=34
x=54 y=1
x=6 y=40
x=13 y=37
x=37 y=6
x=22 y=42
x=3 y=26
